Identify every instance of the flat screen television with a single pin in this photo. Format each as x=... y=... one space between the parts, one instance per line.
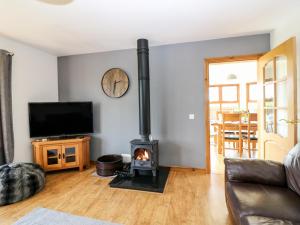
x=60 y=118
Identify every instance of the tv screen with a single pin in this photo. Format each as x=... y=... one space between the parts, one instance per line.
x=60 y=118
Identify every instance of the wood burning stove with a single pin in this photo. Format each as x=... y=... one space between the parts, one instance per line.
x=144 y=152
x=144 y=156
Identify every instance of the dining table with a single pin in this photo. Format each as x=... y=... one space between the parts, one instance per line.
x=218 y=129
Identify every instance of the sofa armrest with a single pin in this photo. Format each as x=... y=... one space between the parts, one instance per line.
x=255 y=171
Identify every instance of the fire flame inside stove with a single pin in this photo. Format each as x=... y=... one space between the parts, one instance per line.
x=142 y=154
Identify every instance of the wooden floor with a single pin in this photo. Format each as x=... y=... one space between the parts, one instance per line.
x=217 y=160
x=190 y=198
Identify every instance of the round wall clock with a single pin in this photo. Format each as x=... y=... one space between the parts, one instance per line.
x=115 y=83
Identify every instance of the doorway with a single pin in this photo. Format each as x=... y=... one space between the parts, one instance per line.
x=232 y=120
x=276 y=119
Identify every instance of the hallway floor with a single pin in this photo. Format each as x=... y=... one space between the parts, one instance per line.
x=217 y=160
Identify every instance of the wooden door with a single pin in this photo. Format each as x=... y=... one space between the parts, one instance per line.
x=52 y=157
x=277 y=101
x=70 y=155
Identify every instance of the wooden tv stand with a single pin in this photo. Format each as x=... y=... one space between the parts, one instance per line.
x=57 y=154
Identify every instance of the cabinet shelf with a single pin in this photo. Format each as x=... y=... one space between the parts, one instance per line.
x=46 y=153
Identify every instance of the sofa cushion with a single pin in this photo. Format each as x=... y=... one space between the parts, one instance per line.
x=261 y=220
x=255 y=171
x=248 y=199
x=292 y=168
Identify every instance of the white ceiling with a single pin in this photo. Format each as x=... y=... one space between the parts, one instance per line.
x=245 y=71
x=84 y=26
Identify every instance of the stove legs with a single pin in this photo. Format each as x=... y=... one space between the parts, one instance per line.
x=132 y=172
x=154 y=172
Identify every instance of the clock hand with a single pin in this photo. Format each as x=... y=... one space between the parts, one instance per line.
x=114 y=87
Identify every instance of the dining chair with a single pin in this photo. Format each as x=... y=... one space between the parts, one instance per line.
x=220 y=118
x=219 y=115
x=231 y=131
x=250 y=135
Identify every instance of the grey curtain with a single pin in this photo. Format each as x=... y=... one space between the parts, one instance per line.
x=6 y=126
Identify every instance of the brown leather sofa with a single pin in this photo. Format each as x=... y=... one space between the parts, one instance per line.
x=264 y=192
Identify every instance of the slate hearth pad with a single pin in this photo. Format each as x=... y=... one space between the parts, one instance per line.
x=143 y=183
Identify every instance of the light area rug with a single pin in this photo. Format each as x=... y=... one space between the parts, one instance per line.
x=43 y=216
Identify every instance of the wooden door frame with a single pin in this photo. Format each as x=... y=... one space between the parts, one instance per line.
x=208 y=61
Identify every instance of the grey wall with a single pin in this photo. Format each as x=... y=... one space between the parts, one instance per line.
x=176 y=73
x=34 y=78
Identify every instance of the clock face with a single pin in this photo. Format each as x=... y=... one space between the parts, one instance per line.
x=115 y=83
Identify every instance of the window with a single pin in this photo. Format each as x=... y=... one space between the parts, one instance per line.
x=223 y=97
x=252 y=90
x=214 y=94
x=224 y=93
x=229 y=94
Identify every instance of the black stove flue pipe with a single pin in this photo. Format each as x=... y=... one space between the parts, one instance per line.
x=144 y=89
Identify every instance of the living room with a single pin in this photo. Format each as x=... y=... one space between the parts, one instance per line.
x=139 y=70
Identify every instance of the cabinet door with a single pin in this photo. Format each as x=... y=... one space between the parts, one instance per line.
x=70 y=155
x=52 y=157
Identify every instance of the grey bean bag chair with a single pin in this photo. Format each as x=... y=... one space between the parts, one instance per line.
x=19 y=181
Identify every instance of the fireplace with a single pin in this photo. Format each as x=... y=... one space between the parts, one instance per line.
x=144 y=152
x=145 y=174
x=144 y=156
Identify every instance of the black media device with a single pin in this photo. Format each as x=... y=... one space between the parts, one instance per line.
x=48 y=119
